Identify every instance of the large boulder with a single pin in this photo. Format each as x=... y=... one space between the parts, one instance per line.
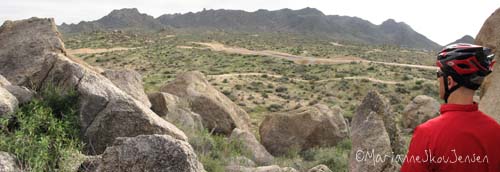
x=8 y=163
x=130 y=82
x=175 y=110
x=489 y=36
x=33 y=55
x=302 y=128
x=419 y=110
x=8 y=102
x=256 y=151
x=150 y=153
x=370 y=136
x=218 y=112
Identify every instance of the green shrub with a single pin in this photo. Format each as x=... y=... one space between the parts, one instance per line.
x=214 y=151
x=274 y=107
x=45 y=131
x=336 y=158
x=281 y=89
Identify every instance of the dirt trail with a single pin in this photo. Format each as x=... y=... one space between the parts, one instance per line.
x=297 y=59
x=230 y=75
x=96 y=50
x=215 y=46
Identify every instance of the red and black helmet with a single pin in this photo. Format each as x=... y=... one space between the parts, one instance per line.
x=467 y=64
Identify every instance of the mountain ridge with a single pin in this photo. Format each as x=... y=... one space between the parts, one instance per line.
x=302 y=21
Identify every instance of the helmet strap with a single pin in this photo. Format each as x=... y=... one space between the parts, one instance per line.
x=448 y=91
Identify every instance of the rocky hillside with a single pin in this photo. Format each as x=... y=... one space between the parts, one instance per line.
x=303 y=21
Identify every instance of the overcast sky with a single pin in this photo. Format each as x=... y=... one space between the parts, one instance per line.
x=442 y=21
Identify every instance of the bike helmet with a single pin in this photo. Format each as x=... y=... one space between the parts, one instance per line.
x=467 y=64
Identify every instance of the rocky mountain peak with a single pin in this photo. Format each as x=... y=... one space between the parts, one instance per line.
x=465 y=39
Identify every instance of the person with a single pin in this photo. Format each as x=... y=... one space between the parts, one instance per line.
x=461 y=138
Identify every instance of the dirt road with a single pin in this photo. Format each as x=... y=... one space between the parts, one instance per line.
x=215 y=46
x=96 y=50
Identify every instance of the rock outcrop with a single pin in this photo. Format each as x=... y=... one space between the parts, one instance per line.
x=130 y=82
x=218 y=112
x=175 y=110
x=8 y=163
x=419 y=110
x=8 y=102
x=489 y=36
x=370 y=135
x=302 y=128
x=32 y=54
x=150 y=153
x=256 y=151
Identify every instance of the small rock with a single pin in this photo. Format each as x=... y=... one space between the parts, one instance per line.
x=320 y=168
x=8 y=102
x=8 y=162
x=241 y=161
x=271 y=168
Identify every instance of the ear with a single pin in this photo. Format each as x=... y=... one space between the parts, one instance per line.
x=451 y=82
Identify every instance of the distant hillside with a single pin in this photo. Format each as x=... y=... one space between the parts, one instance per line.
x=465 y=39
x=123 y=19
x=303 y=21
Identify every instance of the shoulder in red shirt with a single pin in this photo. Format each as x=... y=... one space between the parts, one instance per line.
x=461 y=139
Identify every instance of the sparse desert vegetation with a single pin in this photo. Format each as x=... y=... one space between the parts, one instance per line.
x=261 y=84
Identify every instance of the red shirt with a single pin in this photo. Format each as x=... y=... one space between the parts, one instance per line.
x=462 y=138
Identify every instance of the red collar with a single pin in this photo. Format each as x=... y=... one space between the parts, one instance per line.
x=458 y=107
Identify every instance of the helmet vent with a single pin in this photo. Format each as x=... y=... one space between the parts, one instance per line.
x=463 y=66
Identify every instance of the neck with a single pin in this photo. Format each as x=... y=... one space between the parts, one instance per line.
x=461 y=96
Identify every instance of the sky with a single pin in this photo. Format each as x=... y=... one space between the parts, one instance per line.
x=442 y=21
